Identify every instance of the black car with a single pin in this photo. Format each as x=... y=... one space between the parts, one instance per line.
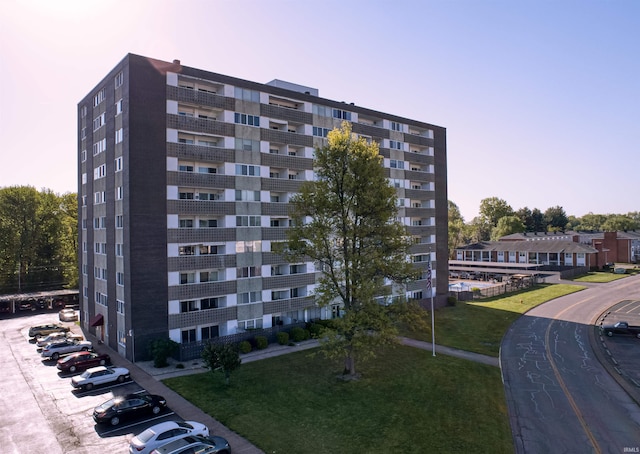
x=131 y=406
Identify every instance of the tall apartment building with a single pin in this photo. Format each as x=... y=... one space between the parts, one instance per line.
x=183 y=181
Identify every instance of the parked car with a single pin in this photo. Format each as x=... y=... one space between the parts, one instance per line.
x=193 y=443
x=68 y=315
x=44 y=330
x=81 y=361
x=56 y=349
x=131 y=406
x=163 y=433
x=99 y=376
x=622 y=328
x=41 y=341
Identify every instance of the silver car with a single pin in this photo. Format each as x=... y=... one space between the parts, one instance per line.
x=57 y=349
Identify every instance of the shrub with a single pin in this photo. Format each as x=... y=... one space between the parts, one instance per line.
x=283 y=338
x=451 y=301
x=315 y=329
x=161 y=350
x=179 y=366
x=299 y=334
x=261 y=342
x=245 y=347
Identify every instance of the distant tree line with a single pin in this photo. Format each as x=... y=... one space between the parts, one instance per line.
x=38 y=240
x=498 y=219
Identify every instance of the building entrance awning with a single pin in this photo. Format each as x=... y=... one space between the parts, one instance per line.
x=97 y=320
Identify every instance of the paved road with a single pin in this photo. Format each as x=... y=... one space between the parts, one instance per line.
x=561 y=399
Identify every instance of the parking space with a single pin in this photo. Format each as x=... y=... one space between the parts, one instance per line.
x=41 y=410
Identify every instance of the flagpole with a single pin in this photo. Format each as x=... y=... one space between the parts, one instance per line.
x=433 y=328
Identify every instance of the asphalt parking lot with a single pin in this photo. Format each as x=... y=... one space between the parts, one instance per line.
x=42 y=412
x=621 y=352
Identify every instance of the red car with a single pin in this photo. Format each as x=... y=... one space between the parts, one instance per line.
x=82 y=360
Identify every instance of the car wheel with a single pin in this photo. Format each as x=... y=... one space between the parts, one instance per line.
x=609 y=333
x=84 y=349
x=55 y=356
x=72 y=369
x=102 y=362
x=120 y=378
x=156 y=410
x=88 y=386
x=115 y=421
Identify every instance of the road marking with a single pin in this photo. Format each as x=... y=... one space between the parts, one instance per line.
x=556 y=372
x=119 y=428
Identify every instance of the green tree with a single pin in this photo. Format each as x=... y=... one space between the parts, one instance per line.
x=222 y=357
x=506 y=226
x=537 y=218
x=345 y=221
x=492 y=209
x=618 y=222
x=555 y=218
x=591 y=221
x=456 y=228
x=161 y=350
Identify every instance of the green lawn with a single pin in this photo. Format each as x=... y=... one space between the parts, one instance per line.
x=479 y=326
x=601 y=277
x=406 y=401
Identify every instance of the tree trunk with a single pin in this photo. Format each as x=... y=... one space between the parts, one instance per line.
x=349 y=364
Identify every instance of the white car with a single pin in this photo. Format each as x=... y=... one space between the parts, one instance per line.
x=99 y=376
x=163 y=433
x=59 y=348
x=55 y=337
x=68 y=315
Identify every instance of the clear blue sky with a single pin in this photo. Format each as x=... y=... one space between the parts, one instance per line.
x=541 y=99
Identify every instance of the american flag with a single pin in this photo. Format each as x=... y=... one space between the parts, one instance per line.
x=429 y=276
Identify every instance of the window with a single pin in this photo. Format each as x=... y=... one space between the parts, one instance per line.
x=211 y=303
x=247 y=145
x=98 y=98
x=188 y=306
x=187 y=278
x=250 y=324
x=247 y=196
x=248 y=221
x=396 y=126
x=119 y=79
x=186 y=223
x=120 y=278
x=248 y=246
x=98 y=122
x=118 y=164
x=207 y=170
x=83 y=133
x=320 y=132
x=99 y=147
x=248 y=271
x=246 y=95
x=209 y=276
x=208 y=332
x=96 y=223
x=101 y=299
x=119 y=135
x=394 y=144
x=100 y=171
x=342 y=114
x=119 y=193
x=119 y=107
x=249 y=297
x=119 y=221
x=119 y=250
x=244 y=169
x=207 y=223
x=186 y=195
x=394 y=164
x=210 y=249
x=188 y=335
x=83 y=155
x=84 y=178
x=322 y=110
x=99 y=197
x=83 y=111
x=244 y=119
x=187 y=250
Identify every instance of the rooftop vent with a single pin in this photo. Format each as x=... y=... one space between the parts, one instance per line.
x=176 y=62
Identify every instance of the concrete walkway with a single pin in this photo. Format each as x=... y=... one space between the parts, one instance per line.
x=150 y=378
